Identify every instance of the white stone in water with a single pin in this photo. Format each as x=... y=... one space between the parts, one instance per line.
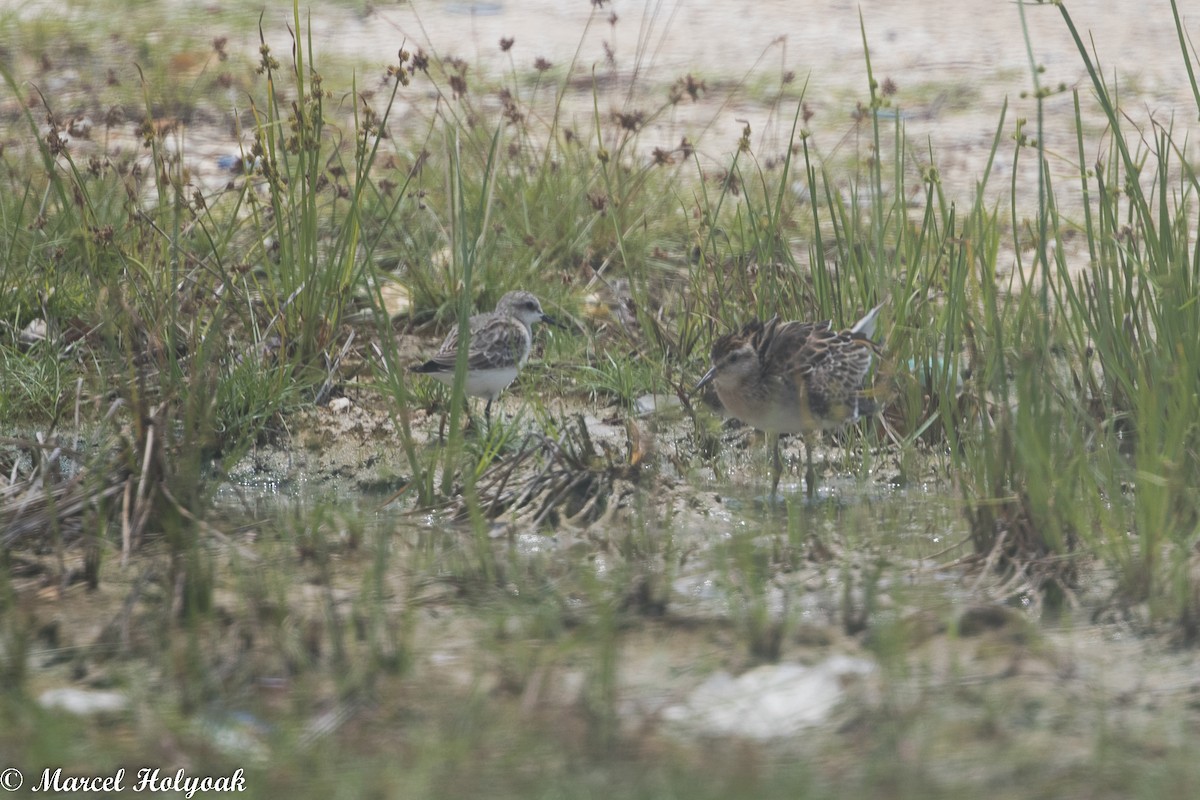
x=83 y=702
x=768 y=702
x=651 y=403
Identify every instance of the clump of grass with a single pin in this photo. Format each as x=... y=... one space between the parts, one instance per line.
x=207 y=315
x=1085 y=378
x=558 y=479
x=1137 y=319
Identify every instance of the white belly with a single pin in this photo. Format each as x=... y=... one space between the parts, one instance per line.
x=482 y=382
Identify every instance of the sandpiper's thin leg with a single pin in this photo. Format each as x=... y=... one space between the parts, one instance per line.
x=471 y=423
x=810 y=475
x=776 y=465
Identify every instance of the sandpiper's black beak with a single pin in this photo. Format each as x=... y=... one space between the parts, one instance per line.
x=706 y=380
x=549 y=320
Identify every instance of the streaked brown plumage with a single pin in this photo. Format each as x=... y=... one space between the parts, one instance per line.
x=794 y=377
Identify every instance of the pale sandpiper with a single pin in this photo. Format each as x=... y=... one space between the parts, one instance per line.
x=499 y=345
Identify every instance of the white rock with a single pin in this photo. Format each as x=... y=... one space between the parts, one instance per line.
x=771 y=701
x=83 y=702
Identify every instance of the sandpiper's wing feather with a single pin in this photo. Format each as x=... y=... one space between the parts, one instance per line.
x=832 y=364
x=500 y=342
x=492 y=338
x=792 y=345
x=791 y=348
x=842 y=356
x=827 y=367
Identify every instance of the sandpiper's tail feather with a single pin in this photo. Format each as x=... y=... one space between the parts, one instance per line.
x=430 y=366
x=866 y=326
x=863 y=405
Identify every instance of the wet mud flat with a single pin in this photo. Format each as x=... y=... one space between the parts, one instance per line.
x=689 y=627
